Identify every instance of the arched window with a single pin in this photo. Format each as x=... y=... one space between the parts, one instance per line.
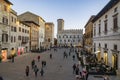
x=4 y=37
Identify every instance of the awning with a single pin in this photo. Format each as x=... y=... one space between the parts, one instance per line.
x=96 y=52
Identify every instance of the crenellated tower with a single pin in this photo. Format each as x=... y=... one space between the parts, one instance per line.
x=60 y=25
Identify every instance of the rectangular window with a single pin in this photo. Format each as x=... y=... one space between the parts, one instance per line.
x=115 y=23
x=4 y=20
x=115 y=10
x=19 y=37
x=5 y=8
x=11 y=28
x=22 y=38
x=59 y=36
x=28 y=31
x=105 y=27
x=99 y=29
x=15 y=29
x=105 y=45
x=12 y=18
x=15 y=20
x=115 y=47
x=23 y=30
x=4 y=37
x=94 y=31
x=11 y=39
x=68 y=40
x=14 y=39
x=19 y=29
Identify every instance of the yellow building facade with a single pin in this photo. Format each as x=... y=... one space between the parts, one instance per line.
x=89 y=34
x=49 y=35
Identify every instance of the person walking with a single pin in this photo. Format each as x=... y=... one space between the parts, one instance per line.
x=84 y=74
x=36 y=70
x=64 y=54
x=74 y=68
x=77 y=73
x=38 y=58
x=42 y=63
x=87 y=75
x=27 y=71
x=69 y=53
x=42 y=72
x=50 y=56
x=80 y=77
x=33 y=63
x=73 y=57
x=12 y=58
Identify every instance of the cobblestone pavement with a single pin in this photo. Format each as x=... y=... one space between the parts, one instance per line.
x=57 y=68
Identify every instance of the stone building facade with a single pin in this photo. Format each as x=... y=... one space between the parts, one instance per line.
x=72 y=37
x=88 y=36
x=23 y=38
x=34 y=35
x=13 y=32
x=5 y=8
x=106 y=34
x=49 y=34
x=28 y=16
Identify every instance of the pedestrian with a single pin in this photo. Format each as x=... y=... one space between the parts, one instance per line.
x=50 y=56
x=38 y=58
x=12 y=58
x=84 y=74
x=74 y=68
x=77 y=73
x=42 y=63
x=42 y=72
x=73 y=57
x=87 y=74
x=33 y=63
x=69 y=53
x=45 y=63
x=80 y=76
x=27 y=71
x=64 y=54
x=36 y=70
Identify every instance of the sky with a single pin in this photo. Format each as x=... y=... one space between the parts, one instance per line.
x=75 y=13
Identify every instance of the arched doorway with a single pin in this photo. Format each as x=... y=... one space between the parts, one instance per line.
x=115 y=61
x=4 y=54
x=106 y=57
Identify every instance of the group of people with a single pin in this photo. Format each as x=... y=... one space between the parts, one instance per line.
x=80 y=75
x=35 y=68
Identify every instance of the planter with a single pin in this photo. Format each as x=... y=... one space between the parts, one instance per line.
x=0 y=58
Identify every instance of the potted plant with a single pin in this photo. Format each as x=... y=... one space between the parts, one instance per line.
x=0 y=58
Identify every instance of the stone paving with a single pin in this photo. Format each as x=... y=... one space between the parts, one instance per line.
x=57 y=68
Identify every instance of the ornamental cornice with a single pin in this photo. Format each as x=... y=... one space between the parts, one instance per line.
x=111 y=37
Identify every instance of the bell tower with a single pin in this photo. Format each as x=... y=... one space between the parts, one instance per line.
x=60 y=25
